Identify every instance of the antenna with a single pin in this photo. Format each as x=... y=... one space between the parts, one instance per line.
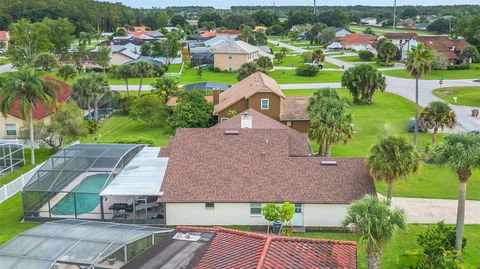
x=314 y=7
x=394 y=15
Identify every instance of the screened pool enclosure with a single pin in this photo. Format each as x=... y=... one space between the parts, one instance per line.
x=113 y=182
x=66 y=244
x=11 y=157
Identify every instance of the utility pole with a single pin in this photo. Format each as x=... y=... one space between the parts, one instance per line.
x=314 y=11
x=394 y=15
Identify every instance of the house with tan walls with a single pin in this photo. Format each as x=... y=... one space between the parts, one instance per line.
x=249 y=160
x=11 y=124
x=230 y=55
x=263 y=94
x=123 y=56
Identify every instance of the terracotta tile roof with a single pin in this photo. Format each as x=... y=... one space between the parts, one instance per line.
x=255 y=83
x=402 y=36
x=442 y=44
x=257 y=165
x=259 y=121
x=41 y=111
x=4 y=35
x=357 y=38
x=232 y=32
x=207 y=34
x=239 y=249
x=294 y=108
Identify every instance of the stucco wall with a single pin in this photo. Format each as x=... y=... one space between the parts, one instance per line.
x=18 y=122
x=239 y=106
x=223 y=61
x=324 y=215
x=118 y=58
x=315 y=215
x=273 y=110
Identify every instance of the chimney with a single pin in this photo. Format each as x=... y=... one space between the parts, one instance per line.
x=216 y=96
x=246 y=121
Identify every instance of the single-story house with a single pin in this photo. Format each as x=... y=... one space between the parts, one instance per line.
x=359 y=42
x=123 y=56
x=4 y=37
x=230 y=34
x=340 y=32
x=263 y=94
x=368 y=21
x=11 y=124
x=335 y=46
x=403 y=41
x=243 y=163
x=206 y=86
x=230 y=55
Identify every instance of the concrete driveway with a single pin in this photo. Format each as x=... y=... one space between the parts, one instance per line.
x=7 y=68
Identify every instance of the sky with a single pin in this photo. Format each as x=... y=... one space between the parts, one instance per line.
x=228 y=3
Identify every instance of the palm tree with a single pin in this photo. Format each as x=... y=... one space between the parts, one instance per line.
x=392 y=158
x=461 y=152
x=437 y=115
x=331 y=122
x=318 y=56
x=144 y=69
x=28 y=89
x=375 y=222
x=82 y=90
x=77 y=57
x=99 y=88
x=419 y=62
x=125 y=72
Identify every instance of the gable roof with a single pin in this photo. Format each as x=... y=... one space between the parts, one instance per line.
x=441 y=45
x=294 y=108
x=259 y=121
x=41 y=111
x=357 y=38
x=240 y=249
x=255 y=83
x=128 y=53
x=233 y=47
x=257 y=165
x=402 y=36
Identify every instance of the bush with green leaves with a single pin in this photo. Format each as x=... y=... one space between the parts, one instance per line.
x=437 y=241
x=284 y=213
x=136 y=140
x=151 y=109
x=458 y=67
x=92 y=126
x=366 y=55
x=191 y=111
x=246 y=70
x=307 y=70
x=362 y=81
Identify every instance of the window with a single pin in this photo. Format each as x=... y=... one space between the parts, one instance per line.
x=223 y=119
x=11 y=129
x=264 y=104
x=209 y=205
x=298 y=208
x=255 y=208
x=230 y=56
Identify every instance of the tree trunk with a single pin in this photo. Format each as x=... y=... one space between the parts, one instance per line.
x=89 y=109
x=434 y=135
x=126 y=84
x=389 y=189
x=32 y=138
x=415 y=130
x=140 y=87
x=328 y=149
x=95 y=108
x=461 y=214
x=373 y=258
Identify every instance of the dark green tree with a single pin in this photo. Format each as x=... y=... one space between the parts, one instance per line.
x=191 y=111
x=362 y=81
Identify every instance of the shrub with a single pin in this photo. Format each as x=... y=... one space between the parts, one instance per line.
x=458 y=67
x=385 y=64
x=136 y=140
x=92 y=126
x=125 y=103
x=212 y=68
x=307 y=70
x=366 y=55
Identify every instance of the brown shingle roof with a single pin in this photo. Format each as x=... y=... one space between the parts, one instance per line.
x=406 y=36
x=441 y=44
x=294 y=108
x=255 y=83
x=357 y=38
x=256 y=165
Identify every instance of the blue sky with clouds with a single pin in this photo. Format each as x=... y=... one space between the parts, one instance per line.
x=228 y=3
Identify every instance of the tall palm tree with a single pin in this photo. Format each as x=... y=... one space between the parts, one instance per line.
x=125 y=72
x=144 y=70
x=80 y=54
x=392 y=158
x=437 y=115
x=419 y=62
x=462 y=153
x=375 y=222
x=331 y=122
x=82 y=90
x=99 y=88
x=28 y=89
x=318 y=55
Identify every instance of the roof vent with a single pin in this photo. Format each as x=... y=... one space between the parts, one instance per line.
x=246 y=121
x=231 y=132
x=329 y=163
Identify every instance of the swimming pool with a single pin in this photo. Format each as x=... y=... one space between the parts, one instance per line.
x=86 y=196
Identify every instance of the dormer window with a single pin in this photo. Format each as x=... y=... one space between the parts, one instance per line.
x=265 y=104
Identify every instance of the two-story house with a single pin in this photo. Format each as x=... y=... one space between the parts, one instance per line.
x=230 y=55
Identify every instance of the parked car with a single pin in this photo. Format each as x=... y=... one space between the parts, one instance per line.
x=317 y=64
x=411 y=126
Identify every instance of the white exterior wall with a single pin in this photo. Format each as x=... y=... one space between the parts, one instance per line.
x=324 y=215
x=315 y=215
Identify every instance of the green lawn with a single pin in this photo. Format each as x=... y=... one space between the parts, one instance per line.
x=41 y=155
x=276 y=49
x=380 y=30
x=123 y=127
x=298 y=60
x=471 y=73
x=352 y=59
x=11 y=212
x=4 y=61
x=174 y=68
x=189 y=75
x=289 y=77
x=405 y=243
x=466 y=96
x=431 y=181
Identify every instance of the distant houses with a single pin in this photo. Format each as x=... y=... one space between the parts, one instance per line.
x=359 y=42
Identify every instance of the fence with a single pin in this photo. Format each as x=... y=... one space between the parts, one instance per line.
x=173 y=74
x=11 y=188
